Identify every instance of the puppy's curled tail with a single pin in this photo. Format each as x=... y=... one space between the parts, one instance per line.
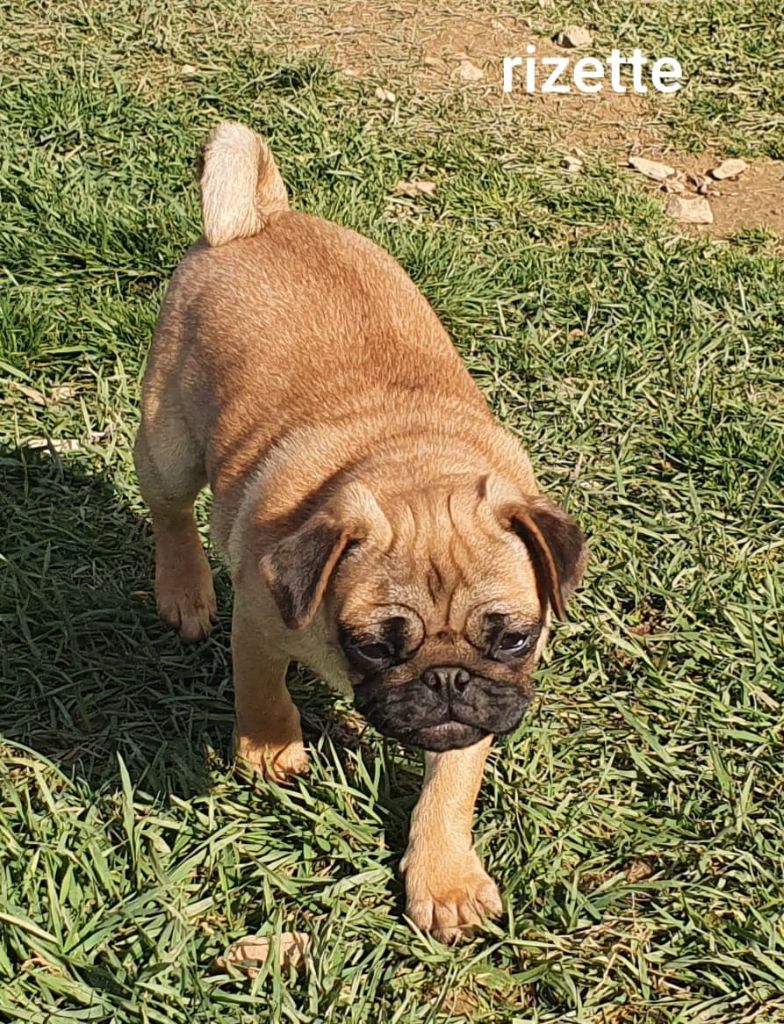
x=240 y=184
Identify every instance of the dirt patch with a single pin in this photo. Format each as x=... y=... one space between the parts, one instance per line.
x=408 y=46
x=754 y=200
x=411 y=47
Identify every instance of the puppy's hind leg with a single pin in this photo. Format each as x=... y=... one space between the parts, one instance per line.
x=171 y=474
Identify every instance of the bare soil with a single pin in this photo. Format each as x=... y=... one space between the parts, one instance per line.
x=412 y=46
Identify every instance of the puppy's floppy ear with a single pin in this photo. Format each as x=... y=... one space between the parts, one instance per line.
x=299 y=568
x=554 y=540
x=297 y=571
x=556 y=545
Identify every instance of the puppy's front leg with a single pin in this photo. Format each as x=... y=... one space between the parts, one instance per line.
x=267 y=733
x=447 y=889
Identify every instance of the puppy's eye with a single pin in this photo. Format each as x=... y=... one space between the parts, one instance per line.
x=514 y=644
x=374 y=654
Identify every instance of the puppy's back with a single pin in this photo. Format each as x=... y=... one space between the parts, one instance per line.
x=278 y=319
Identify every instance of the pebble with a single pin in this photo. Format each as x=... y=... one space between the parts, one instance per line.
x=575 y=37
x=250 y=953
x=729 y=169
x=415 y=187
x=689 y=211
x=651 y=168
x=470 y=72
x=572 y=165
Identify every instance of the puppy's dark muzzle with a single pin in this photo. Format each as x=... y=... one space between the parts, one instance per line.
x=447 y=707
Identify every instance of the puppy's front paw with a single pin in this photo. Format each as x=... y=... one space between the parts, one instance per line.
x=272 y=761
x=186 y=600
x=448 y=894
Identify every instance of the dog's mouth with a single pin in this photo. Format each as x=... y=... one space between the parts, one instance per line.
x=414 y=715
x=446 y=736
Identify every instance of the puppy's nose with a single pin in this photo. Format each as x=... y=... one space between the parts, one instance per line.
x=446 y=680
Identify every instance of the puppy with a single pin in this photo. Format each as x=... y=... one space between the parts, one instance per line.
x=380 y=528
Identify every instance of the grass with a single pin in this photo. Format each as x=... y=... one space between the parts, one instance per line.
x=635 y=822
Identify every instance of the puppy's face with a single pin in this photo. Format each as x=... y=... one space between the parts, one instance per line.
x=442 y=626
x=439 y=601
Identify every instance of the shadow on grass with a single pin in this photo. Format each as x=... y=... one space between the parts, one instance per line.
x=88 y=672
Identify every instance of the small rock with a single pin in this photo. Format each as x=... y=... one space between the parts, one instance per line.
x=729 y=169
x=572 y=165
x=703 y=186
x=637 y=870
x=54 y=444
x=415 y=187
x=385 y=95
x=575 y=37
x=62 y=392
x=249 y=954
x=188 y=69
x=651 y=168
x=689 y=211
x=470 y=72
x=31 y=394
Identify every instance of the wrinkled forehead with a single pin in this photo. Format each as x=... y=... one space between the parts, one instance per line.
x=449 y=569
